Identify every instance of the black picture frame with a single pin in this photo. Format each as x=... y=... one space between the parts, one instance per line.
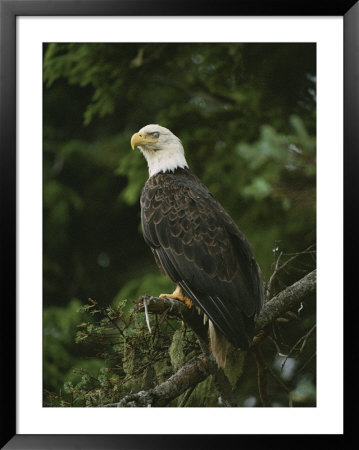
x=9 y=10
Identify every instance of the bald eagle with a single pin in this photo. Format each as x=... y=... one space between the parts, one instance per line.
x=197 y=244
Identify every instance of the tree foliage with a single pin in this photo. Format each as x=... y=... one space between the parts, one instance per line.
x=246 y=116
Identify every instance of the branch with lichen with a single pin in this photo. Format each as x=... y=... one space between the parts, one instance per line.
x=199 y=368
x=192 y=373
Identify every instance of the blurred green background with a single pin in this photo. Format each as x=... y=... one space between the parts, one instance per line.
x=246 y=115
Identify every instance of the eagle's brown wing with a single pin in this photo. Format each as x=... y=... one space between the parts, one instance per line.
x=200 y=248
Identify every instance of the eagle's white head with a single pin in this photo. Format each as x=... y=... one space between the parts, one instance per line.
x=161 y=148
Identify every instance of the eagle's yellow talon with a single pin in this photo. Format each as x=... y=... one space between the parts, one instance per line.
x=178 y=295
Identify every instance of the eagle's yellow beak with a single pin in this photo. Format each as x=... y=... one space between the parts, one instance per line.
x=136 y=139
x=141 y=139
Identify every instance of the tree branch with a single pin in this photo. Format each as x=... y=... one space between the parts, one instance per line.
x=286 y=300
x=199 y=368
x=192 y=373
x=278 y=305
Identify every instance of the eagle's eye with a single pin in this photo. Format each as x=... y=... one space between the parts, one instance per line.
x=156 y=134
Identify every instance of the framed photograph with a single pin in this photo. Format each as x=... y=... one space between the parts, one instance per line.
x=242 y=125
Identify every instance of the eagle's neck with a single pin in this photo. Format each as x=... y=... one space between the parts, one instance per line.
x=167 y=159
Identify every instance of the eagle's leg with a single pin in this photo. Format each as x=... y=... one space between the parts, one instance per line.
x=179 y=295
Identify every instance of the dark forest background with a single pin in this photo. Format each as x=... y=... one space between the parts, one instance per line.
x=246 y=115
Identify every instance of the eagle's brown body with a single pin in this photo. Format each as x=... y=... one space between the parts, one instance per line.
x=198 y=245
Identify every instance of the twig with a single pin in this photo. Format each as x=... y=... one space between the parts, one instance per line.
x=262 y=376
x=103 y=310
x=279 y=351
x=224 y=387
x=275 y=271
x=304 y=339
x=307 y=362
x=279 y=268
x=146 y=314
x=186 y=396
x=281 y=384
